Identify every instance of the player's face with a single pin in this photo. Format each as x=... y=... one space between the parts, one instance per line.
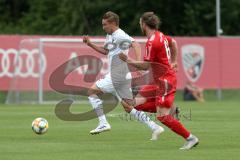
x=107 y=26
x=142 y=26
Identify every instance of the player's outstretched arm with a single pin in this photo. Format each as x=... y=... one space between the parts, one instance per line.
x=141 y=65
x=174 y=53
x=99 y=49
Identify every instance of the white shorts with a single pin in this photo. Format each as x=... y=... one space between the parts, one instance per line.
x=119 y=89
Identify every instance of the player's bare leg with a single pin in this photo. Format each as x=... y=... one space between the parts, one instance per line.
x=142 y=117
x=96 y=103
x=168 y=120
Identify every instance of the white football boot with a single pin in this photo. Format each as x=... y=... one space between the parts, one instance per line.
x=156 y=133
x=191 y=142
x=101 y=128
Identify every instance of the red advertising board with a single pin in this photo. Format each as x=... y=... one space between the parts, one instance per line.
x=208 y=62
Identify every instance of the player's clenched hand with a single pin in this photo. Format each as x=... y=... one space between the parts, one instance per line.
x=86 y=40
x=174 y=66
x=123 y=57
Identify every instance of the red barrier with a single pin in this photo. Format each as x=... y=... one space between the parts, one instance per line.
x=208 y=62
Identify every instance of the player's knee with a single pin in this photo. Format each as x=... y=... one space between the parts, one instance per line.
x=127 y=109
x=126 y=106
x=128 y=102
x=91 y=92
x=161 y=112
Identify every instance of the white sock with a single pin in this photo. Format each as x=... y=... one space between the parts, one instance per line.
x=142 y=117
x=98 y=107
x=190 y=136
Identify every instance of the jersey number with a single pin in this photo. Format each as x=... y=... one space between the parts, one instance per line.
x=168 y=52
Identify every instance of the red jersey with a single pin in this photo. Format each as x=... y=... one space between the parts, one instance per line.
x=158 y=51
x=163 y=87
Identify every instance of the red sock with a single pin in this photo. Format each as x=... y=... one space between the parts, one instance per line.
x=174 y=125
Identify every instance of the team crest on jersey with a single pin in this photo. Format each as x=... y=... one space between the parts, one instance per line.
x=193 y=60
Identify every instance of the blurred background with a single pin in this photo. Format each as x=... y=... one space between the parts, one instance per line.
x=207 y=33
x=77 y=17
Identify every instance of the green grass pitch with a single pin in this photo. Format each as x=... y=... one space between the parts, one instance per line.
x=217 y=124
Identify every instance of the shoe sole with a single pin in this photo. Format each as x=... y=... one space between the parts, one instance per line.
x=195 y=145
x=94 y=133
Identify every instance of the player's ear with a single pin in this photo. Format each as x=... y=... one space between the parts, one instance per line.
x=143 y=25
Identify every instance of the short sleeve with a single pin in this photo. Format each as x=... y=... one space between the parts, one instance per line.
x=169 y=39
x=123 y=41
x=130 y=38
x=149 y=52
x=124 y=37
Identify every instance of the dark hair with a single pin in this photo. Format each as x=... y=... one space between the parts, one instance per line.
x=151 y=20
x=111 y=17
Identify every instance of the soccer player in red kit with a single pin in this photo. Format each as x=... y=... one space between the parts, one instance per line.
x=164 y=77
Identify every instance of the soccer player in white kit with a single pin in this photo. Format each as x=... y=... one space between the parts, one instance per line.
x=115 y=82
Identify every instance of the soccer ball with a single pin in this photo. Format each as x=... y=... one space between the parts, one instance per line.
x=40 y=126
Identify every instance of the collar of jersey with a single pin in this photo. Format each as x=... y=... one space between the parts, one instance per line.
x=115 y=31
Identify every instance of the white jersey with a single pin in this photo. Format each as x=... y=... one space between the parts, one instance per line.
x=118 y=42
x=116 y=81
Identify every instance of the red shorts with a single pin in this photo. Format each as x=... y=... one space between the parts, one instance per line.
x=161 y=94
